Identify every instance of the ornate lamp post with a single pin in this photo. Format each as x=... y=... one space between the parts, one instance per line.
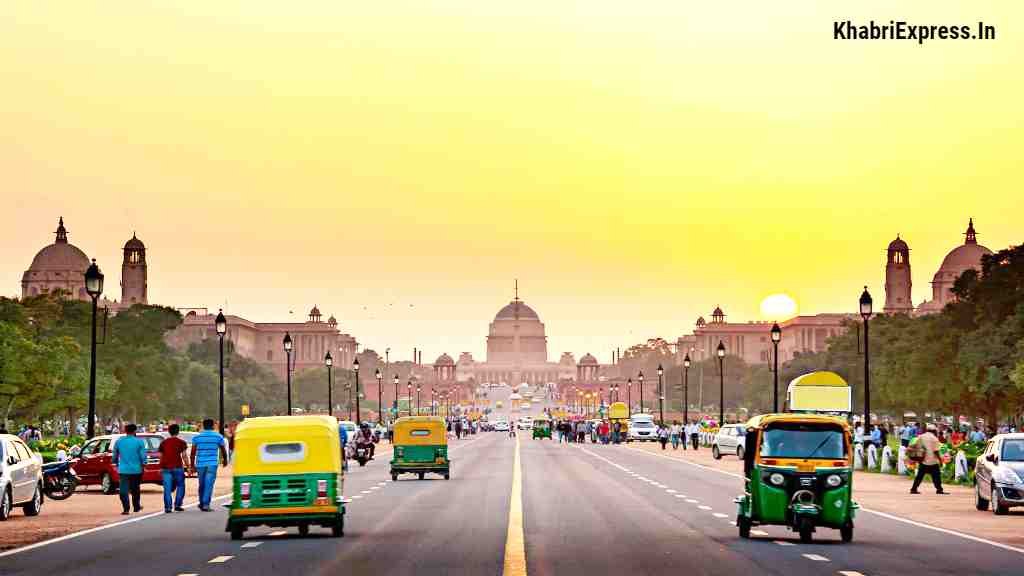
x=721 y=383
x=640 y=377
x=686 y=389
x=94 y=287
x=776 y=338
x=408 y=387
x=865 y=313
x=661 y=395
x=355 y=369
x=288 y=367
x=395 y=379
x=418 y=388
x=629 y=396
x=380 y=396
x=221 y=323
x=329 y=362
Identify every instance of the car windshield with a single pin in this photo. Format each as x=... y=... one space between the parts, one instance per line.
x=795 y=440
x=1013 y=450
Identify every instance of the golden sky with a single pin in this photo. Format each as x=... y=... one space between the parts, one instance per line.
x=634 y=164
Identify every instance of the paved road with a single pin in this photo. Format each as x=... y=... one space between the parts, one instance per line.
x=586 y=510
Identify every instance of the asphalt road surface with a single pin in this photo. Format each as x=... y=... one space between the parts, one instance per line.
x=585 y=510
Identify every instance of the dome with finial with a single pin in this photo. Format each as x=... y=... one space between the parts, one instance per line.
x=61 y=256
x=444 y=360
x=898 y=245
x=332 y=321
x=588 y=360
x=964 y=256
x=134 y=243
x=701 y=322
x=314 y=315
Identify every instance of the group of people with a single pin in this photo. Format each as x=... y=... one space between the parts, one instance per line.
x=679 y=434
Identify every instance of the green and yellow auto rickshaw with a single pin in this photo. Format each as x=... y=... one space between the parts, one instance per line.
x=798 y=471
x=287 y=472
x=541 y=428
x=420 y=446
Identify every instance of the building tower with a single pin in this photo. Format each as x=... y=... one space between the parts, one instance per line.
x=898 y=299
x=133 y=273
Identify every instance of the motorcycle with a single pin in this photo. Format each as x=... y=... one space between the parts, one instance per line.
x=362 y=454
x=59 y=480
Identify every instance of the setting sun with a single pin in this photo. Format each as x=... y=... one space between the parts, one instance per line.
x=778 y=307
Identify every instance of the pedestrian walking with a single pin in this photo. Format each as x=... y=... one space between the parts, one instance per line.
x=616 y=432
x=129 y=456
x=931 y=462
x=207 y=448
x=172 y=466
x=663 y=434
x=676 y=432
x=458 y=429
x=695 y=435
x=512 y=430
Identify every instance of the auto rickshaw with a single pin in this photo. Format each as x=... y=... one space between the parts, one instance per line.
x=619 y=412
x=420 y=446
x=541 y=428
x=798 y=471
x=287 y=472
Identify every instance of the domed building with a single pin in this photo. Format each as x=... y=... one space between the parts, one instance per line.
x=964 y=257
x=59 y=266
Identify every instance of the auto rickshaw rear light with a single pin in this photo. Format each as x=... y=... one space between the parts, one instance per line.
x=770 y=462
x=839 y=463
x=321 y=488
x=245 y=490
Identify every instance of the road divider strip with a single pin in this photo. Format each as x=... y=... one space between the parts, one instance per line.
x=515 y=541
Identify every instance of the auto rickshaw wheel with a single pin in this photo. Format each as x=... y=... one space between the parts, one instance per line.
x=421 y=475
x=237 y=532
x=743 y=523
x=338 y=529
x=394 y=477
x=846 y=531
x=447 y=476
x=806 y=530
x=303 y=529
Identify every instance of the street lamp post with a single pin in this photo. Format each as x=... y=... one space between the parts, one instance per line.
x=221 y=324
x=395 y=379
x=408 y=387
x=418 y=388
x=721 y=384
x=865 y=313
x=355 y=369
x=640 y=377
x=380 y=395
x=686 y=389
x=288 y=367
x=661 y=395
x=94 y=286
x=776 y=338
x=329 y=362
x=629 y=396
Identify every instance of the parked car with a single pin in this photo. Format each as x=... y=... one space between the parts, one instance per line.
x=641 y=427
x=21 y=477
x=999 y=474
x=525 y=423
x=95 y=462
x=731 y=439
x=501 y=426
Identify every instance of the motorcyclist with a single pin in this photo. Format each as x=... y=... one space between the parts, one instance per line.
x=364 y=439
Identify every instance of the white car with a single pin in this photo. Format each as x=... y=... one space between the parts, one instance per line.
x=525 y=423
x=21 y=477
x=731 y=439
x=641 y=427
x=501 y=426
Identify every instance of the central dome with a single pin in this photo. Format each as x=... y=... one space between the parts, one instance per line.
x=516 y=309
x=61 y=257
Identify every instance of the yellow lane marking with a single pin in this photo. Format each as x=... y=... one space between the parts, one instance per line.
x=515 y=547
x=220 y=559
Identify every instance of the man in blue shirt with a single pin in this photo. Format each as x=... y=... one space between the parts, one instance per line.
x=129 y=457
x=207 y=446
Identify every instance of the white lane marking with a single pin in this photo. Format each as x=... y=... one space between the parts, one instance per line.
x=849 y=573
x=692 y=501
x=357 y=496
x=670 y=491
x=365 y=492
x=278 y=533
x=784 y=543
x=251 y=544
x=720 y=515
x=374 y=487
x=733 y=522
x=189 y=574
x=816 y=558
x=220 y=559
x=868 y=510
x=97 y=529
x=680 y=495
x=704 y=507
x=758 y=532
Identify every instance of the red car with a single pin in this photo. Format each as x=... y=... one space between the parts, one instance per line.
x=94 y=463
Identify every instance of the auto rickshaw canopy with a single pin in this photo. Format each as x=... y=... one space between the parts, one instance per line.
x=421 y=431
x=287 y=445
x=820 y=391
x=618 y=411
x=762 y=421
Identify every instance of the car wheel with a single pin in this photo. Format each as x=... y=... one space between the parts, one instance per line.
x=715 y=453
x=998 y=508
x=107 y=484
x=979 y=502
x=34 y=507
x=739 y=452
x=5 y=505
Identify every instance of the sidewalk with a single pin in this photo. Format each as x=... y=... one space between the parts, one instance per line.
x=890 y=494
x=88 y=508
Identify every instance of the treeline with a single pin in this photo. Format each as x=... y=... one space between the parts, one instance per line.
x=44 y=367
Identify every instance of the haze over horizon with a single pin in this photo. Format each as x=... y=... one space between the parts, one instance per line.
x=400 y=171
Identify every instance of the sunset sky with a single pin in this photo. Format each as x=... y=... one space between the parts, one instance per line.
x=633 y=164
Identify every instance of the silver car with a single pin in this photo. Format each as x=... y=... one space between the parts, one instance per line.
x=21 y=477
x=999 y=474
x=731 y=439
